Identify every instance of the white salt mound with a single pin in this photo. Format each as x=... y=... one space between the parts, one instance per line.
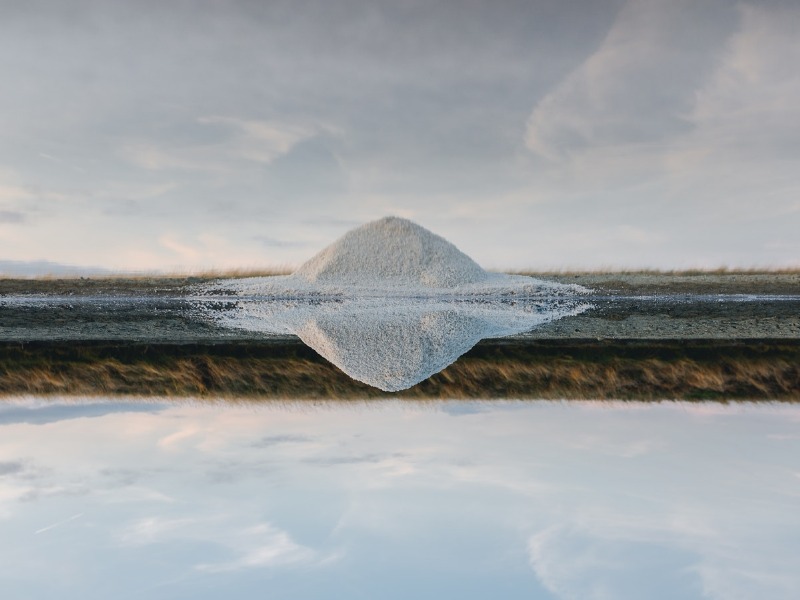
x=392 y=257
x=393 y=251
x=391 y=303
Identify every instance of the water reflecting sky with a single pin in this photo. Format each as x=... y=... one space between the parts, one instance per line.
x=392 y=500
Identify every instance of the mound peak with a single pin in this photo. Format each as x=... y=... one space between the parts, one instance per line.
x=392 y=251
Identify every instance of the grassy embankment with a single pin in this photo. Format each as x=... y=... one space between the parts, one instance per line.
x=637 y=370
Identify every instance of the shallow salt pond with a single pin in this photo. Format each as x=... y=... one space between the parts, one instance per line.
x=399 y=500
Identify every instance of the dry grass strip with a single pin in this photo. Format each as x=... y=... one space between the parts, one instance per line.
x=766 y=370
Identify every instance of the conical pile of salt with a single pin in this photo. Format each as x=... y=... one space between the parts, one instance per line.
x=392 y=251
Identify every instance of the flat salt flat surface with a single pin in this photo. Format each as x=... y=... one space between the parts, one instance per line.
x=536 y=500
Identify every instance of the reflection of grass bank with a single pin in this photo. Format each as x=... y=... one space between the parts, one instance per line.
x=768 y=370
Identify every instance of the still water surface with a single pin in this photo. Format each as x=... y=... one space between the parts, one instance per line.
x=398 y=500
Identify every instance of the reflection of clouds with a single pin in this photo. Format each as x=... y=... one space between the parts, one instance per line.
x=35 y=412
x=262 y=546
x=601 y=443
x=233 y=471
x=456 y=409
x=744 y=579
x=712 y=410
x=354 y=459
x=709 y=503
x=52 y=526
x=11 y=467
x=709 y=508
x=578 y=560
x=178 y=436
x=783 y=436
x=25 y=481
x=130 y=485
x=574 y=564
x=150 y=530
x=120 y=477
x=271 y=440
x=134 y=495
x=12 y=216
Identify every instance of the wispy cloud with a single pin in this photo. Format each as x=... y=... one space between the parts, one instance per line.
x=11 y=467
x=229 y=142
x=278 y=243
x=262 y=546
x=12 y=216
x=150 y=530
x=639 y=85
x=175 y=438
x=58 y=524
x=572 y=564
x=286 y=438
x=355 y=459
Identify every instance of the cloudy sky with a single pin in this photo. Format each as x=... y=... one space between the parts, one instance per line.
x=532 y=134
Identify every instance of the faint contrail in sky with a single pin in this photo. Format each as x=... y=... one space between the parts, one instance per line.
x=54 y=525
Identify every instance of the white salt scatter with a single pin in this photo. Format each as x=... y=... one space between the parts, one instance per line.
x=391 y=303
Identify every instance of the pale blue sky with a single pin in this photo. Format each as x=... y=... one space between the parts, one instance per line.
x=532 y=134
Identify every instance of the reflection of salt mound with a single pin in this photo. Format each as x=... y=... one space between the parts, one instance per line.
x=392 y=351
x=392 y=251
x=392 y=345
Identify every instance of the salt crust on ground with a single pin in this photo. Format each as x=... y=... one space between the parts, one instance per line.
x=391 y=303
